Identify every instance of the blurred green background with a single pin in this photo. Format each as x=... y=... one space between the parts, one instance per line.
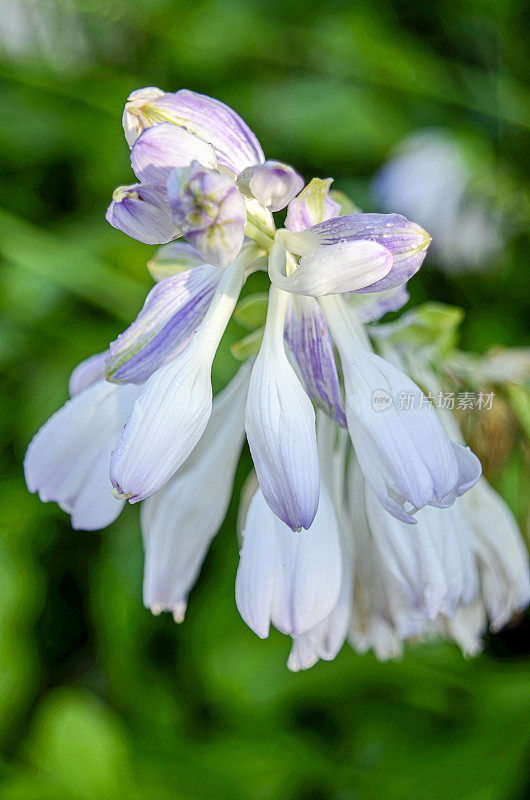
x=98 y=699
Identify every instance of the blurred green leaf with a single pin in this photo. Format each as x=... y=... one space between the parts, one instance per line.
x=248 y=346
x=520 y=402
x=251 y=311
x=81 y=746
x=39 y=252
x=433 y=324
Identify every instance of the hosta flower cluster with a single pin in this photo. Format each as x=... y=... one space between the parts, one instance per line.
x=362 y=521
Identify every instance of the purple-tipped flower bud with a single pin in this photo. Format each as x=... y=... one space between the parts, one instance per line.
x=405 y=241
x=141 y=212
x=273 y=184
x=235 y=145
x=209 y=210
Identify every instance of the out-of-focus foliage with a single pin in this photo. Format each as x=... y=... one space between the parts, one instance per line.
x=97 y=698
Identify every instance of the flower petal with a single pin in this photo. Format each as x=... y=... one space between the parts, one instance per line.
x=374 y=611
x=133 y=119
x=177 y=524
x=307 y=335
x=280 y=425
x=402 y=449
x=95 y=507
x=171 y=313
x=173 y=258
x=313 y=205
x=258 y=567
x=291 y=580
x=209 y=210
x=86 y=373
x=311 y=568
x=166 y=423
x=336 y=269
x=141 y=212
x=467 y=628
x=501 y=554
x=163 y=147
x=408 y=447
x=371 y=307
x=67 y=458
x=273 y=183
x=429 y=565
x=235 y=145
x=170 y=416
x=470 y=468
x=405 y=240
x=325 y=639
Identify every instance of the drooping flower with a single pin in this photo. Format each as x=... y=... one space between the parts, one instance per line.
x=177 y=527
x=68 y=460
x=287 y=579
x=393 y=246
x=326 y=638
x=170 y=416
x=359 y=525
x=404 y=453
x=501 y=556
x=172 y=311
x=280 y=427
x=437 y=582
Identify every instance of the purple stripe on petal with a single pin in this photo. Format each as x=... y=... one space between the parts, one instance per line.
x=405 y=240
x=171 y=313
x=306 y=333
x=280 y=426
x=141 y=212
x=235 y=145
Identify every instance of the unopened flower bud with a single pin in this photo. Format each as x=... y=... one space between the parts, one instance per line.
x=209 y=210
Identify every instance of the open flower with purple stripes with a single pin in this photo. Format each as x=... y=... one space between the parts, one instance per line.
x=324 y=555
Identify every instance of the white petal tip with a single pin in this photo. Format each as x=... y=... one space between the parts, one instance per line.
x=296 y=665
x=260 y=630
x=177 y=610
